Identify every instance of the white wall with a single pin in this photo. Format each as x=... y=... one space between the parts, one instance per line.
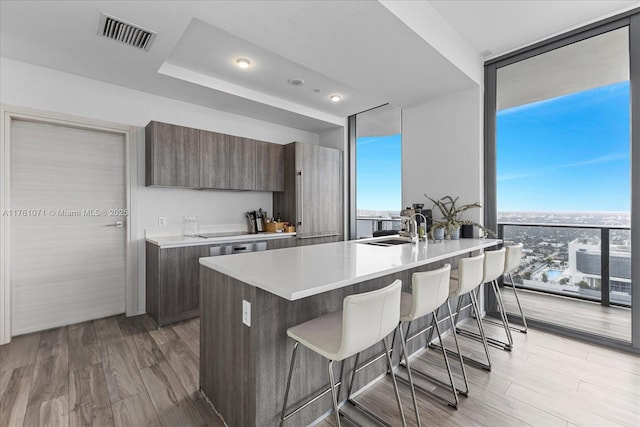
x=442 y=150
x=40 y=88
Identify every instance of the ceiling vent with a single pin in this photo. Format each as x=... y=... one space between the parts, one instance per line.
x=125 y=32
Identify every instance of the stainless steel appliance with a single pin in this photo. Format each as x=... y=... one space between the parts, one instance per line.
x=238 y=248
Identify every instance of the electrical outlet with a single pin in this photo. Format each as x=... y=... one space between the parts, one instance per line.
x=246 y=312
x=162 y=221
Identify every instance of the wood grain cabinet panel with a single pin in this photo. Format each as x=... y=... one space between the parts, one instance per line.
x=214 y=160
x=173 y=282
x=172 y=155
x=269 y=166
x=242 y=163
x=312 y=198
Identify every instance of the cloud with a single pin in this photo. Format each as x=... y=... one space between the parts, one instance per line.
x=544 y=170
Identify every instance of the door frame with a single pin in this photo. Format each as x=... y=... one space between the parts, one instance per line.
x=8 y=113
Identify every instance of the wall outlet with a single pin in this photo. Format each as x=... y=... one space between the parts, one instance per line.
x=162 y=221
x=246 y=312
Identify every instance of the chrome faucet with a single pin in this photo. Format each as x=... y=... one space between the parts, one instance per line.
x=415 y=224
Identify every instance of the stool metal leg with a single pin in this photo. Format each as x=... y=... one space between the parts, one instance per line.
x=476 y=308
x=446 y=362
x=395 y=383
x=507 y=346
x=503 y=313
x=464 y=392
x=286 y=393
x=524 y=320
x=406 y=361
x=334 y=397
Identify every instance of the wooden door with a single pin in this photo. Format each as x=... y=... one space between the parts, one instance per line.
x=269 y=166
x=242 y=163
x=214 y=160
x=319 y=195
x=68 y=189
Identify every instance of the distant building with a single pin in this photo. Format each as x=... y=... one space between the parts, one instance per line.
x=584 y=264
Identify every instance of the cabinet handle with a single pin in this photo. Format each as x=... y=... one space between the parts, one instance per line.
x=301 y=198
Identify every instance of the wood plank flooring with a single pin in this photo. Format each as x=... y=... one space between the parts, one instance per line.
x=115 y=371
x=124 y=372
x=593 y=317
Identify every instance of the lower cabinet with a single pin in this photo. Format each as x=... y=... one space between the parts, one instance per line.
x=173 y=277
x=173 y=282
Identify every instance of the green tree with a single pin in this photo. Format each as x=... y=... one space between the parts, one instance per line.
x=545 y=279
x=582 y=284
x=527 y=275
x=564 y=280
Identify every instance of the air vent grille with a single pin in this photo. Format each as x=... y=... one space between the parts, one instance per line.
x=125 y=32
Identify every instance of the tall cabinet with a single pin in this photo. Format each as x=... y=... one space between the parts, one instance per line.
x=312 y=196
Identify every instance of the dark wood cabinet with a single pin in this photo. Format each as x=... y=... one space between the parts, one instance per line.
x=173 y=282
x=178 y=156
x=242 y=163
x=214 y=160
x=312 y=197
x=172 y=155
x=269 y=166
x=286 y=242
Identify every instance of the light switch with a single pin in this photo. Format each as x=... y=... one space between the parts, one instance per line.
x=246 y=312
x=162 y=221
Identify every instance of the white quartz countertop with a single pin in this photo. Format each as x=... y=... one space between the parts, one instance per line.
x=299 y=272
x=181 y=241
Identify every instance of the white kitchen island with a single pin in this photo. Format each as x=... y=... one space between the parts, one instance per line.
x=244 y=356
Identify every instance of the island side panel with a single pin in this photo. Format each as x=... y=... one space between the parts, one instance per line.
x=250 y=392
x=227 y=369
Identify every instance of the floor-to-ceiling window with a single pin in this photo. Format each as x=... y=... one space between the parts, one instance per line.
x=376 y=150
x=559 y=177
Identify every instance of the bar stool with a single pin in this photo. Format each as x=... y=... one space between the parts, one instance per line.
x=430 y=290
x=466 y=281
x=365 y=320
x=512 y=259
x=493 y=269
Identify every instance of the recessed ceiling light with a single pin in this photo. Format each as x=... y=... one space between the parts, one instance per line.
x=243 y=62
x=335 y=98
x=295 y=82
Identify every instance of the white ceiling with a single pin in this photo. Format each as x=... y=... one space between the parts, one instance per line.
x=355 y=48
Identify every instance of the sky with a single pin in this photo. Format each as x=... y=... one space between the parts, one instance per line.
x=570 y=153
x=379 y=173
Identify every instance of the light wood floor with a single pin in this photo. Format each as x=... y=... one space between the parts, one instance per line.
x=115 y=371
x=593 y=317
x=124 y=372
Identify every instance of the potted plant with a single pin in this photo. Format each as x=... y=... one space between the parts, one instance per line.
x=451 y=221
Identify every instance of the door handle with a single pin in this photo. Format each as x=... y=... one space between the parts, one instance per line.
x=117 y=224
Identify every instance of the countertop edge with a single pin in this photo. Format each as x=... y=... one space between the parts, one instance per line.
x=184 y=241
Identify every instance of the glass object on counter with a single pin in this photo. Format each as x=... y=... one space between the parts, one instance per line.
x=191 y=226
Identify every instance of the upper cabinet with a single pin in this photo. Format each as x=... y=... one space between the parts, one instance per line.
x=172 y=155
x=214 y=160
x=242 y=163
x=178 y=156
x=269 y=166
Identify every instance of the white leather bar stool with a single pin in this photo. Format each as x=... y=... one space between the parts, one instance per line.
x=466 y=281
x=430 y=290
x=513 y=257
x=365 y=320
x=493 y=269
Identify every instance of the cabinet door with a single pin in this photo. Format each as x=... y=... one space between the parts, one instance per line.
x=269 y=166
x=285 y=242
x=172 y=154
x=214 y=160
x=179 y=296
x=319 y=191
x=242 y=163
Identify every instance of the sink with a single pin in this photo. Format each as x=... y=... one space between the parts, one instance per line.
x=387 y=242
